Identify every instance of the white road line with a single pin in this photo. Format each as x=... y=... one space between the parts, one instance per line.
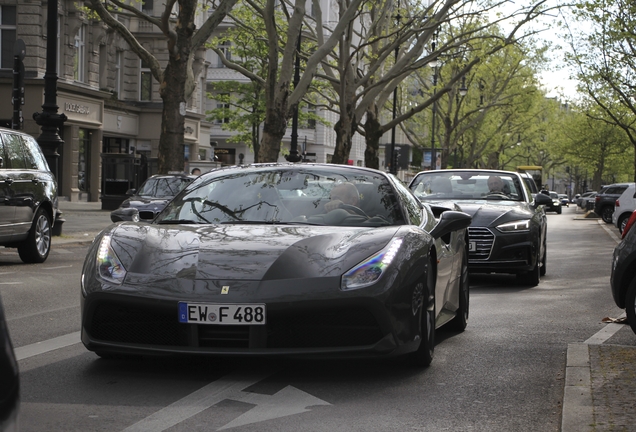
x=58 y=267
x=202 y=399
x=10 y=283
x=605 y=333
x=38 y=348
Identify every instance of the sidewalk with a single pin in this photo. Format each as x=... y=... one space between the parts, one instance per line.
x=83 y=221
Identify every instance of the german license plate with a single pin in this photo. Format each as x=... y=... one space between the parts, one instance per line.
x=222 y=314
x=472 y=246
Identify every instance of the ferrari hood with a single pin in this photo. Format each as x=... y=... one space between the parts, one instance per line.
x=243 y=252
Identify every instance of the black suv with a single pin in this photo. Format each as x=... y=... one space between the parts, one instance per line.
x=605 y=200
x=28 y=197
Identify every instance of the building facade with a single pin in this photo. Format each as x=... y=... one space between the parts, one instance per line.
x=110 y=98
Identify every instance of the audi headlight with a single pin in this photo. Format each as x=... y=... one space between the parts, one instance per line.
x=515 y=226
x=370 y=270
x=109 y=267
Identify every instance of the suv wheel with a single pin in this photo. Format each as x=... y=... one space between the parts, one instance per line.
x=606 y=214
x=36 y=248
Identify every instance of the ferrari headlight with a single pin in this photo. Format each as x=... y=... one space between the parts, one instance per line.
x=109 y=267
x=370 y=270
x=515 y=226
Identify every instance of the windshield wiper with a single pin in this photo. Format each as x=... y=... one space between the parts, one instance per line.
x=269 y=222
x=178 y=222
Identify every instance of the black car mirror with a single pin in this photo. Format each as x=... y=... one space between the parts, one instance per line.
x=131 y=192
x=542 y=199
x=451 y=221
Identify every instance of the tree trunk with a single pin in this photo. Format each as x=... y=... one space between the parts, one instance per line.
x=373 y=133
x=172 y=91
x=274 y=129
x=344 y=129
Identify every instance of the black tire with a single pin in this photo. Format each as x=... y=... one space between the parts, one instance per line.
x=532 y=277
x=630 y=304
x=559 y=210
x=606 y=214
x=424 y=354
x=36 y=248
x=460 y=321
x=544 y=261
x=622 y=222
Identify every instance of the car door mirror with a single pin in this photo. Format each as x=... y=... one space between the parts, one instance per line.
x=542 y=199
x=450 y=221
x=131 y=192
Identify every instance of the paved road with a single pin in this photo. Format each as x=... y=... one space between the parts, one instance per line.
x=505 y=372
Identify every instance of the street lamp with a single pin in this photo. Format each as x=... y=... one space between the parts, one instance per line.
x=393 y=160
x=49 y=120
x=293 y=155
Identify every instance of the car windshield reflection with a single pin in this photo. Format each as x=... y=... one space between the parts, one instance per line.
x=163 y=187
x=467 y=185
x=312 y=196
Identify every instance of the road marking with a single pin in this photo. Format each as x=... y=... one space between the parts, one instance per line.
x=58 y=267
x=38 y=348
x=202 y=399
x=10 y=283
x=605 y=333
x=286 y=402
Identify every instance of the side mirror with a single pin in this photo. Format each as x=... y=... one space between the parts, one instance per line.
x=131 y=192
x=542 y=199
x=451 y=221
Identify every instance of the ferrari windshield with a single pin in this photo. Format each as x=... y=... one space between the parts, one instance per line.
x=163 y=187
x=468 y=185
x=294 y=195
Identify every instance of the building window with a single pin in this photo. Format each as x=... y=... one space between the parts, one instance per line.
x=119 y=70
x=225 y=49
x=147 y=7
x=7 y=35
x=79 y=54
x=222 y=106
x=145 y=82
x=115 y=145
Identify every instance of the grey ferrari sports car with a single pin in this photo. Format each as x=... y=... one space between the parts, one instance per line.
x=250 y=260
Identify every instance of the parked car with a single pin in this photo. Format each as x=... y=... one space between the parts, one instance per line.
x=9 y=378
x=623 y=276
x=624 y=206
x=153 y=195
x=555 y=204
x=508 y=231
x=585 y=198
x=530 y=183
x=606 y=198
x=565 y=201
x=28 y=192
x=230 y=267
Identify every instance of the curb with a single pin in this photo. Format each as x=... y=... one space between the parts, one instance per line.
x=578 y=407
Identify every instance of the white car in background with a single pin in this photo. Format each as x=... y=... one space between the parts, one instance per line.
x=625 y=205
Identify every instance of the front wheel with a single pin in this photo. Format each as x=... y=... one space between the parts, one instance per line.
x=606 y=214
x=630 y=304
x=36 y=247
x=460 y=321
x=532 y=277
x=424 y=354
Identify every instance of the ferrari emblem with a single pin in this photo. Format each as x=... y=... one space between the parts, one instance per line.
x=225 y=289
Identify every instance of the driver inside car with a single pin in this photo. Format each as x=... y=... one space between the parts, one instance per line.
x=343 y=193
x=496 y=185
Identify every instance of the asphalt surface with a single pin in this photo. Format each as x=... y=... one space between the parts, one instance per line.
x=600 y=380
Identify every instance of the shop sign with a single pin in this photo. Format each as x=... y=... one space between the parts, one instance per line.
x=80 y=109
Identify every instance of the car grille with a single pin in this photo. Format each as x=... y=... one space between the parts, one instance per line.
x=113 y=322
x=483 y=239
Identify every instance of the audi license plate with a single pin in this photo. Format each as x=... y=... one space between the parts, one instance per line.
x=221 y=314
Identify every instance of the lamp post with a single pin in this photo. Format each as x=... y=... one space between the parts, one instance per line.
x=49 y=120
x=294 y=156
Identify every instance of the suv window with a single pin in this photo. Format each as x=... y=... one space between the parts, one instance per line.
x=34 y=154
x=615 y=190
x=14 y=150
